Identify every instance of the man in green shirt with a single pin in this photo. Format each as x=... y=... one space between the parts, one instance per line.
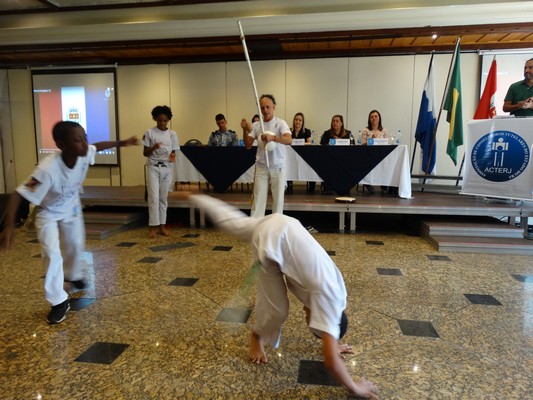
x=519 y=98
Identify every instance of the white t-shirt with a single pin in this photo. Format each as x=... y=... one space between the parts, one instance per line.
x=168 y=142
x=55 y=188
x=276 y=158
x=310 y=273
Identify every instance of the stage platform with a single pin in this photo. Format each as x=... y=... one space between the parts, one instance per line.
x=423 y=203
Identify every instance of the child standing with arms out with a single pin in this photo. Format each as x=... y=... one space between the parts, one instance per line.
x=160 y=145
x=54 y=187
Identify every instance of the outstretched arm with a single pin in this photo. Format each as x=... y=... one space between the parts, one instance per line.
x=224 y=216
x=7 y=237
x=335 y=365
x=119 y=143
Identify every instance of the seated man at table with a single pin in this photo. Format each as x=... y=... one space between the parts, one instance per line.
x=222 y=137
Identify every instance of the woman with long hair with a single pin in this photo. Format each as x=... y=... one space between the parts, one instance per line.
x=374 y=129
x=299 y=131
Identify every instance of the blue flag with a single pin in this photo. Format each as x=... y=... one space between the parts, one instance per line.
x=425 y=127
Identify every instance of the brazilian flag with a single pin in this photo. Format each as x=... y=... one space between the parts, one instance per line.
x=453 y=104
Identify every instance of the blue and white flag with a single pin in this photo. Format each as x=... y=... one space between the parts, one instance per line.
x=425 y=127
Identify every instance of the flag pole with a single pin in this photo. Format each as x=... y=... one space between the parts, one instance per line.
x=460 y=170
x=413 y=157
x=458 y=40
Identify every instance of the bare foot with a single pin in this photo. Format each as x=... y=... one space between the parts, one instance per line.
x=152 y=233
x=344 y=349
x=365 y=389
x=257 y=351
x=164 y=231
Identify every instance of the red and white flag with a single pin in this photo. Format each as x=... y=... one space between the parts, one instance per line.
x=485 y=108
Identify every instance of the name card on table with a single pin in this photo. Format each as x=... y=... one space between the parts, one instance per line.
x=378 y=141
x=339 y=142
x=298 y=142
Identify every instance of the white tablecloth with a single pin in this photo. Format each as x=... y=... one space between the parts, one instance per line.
x=393 y=170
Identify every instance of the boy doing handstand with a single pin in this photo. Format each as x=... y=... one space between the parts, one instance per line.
x=290 y=259
x=54 y=188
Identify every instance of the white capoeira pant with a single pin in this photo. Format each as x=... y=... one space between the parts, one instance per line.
x=271 y=173
x=264 y=177
x=158 y=179
x=63 y=243
x=271 y=304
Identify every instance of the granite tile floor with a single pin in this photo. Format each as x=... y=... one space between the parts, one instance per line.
x=169 y=318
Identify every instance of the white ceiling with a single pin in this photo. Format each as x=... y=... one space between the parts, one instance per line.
x=41 y=32
x=259 y=17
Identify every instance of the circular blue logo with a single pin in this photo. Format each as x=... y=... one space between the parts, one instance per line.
x=500 y=156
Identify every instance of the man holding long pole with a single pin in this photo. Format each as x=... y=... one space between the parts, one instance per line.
x=271 y=133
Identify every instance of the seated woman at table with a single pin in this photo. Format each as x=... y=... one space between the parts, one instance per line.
x=374 y=129
x=299 y=131
x=336 y=131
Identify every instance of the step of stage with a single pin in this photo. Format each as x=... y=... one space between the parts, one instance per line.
x=484 y=235
x=103 y=222
x=483 y=245
x=470 y=226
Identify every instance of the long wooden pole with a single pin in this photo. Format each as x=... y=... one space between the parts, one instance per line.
x=247 y=56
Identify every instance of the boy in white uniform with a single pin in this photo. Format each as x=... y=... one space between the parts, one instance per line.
x=54 y=187
x=160 y=145
x=290 y=259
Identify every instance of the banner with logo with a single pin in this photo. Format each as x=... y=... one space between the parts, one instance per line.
x=498 y=158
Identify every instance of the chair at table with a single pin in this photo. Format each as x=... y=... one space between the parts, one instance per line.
x=193 y=142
